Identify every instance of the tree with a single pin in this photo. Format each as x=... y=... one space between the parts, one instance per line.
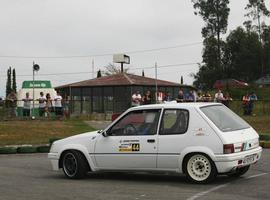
x=8 y=84
x=215 y=14
x=266 y=52
x=182 y=80
x=111 y=69
x=242 y=55
x=257 y=9
x=14 y=84
x=143 y=73
x=99 y=74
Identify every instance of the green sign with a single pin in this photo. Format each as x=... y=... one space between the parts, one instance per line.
x=37 y=84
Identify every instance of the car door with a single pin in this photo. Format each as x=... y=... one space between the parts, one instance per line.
x=172 y=138
x=131 y=143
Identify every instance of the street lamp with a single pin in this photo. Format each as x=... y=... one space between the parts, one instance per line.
x=35 y=69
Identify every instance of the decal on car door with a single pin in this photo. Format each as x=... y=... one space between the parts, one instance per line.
x=129 y=145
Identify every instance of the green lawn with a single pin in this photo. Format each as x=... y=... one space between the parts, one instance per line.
x=39 y=132
x=260 y=123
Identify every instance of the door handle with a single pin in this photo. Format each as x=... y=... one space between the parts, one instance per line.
x=150 y=140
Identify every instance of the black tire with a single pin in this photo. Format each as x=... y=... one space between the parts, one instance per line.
x=239 y=171
x=199 y=168
x=74 y=164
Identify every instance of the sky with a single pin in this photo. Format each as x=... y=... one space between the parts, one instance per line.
x=67 y=37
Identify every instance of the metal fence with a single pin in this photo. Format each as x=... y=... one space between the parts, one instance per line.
x=79 y=108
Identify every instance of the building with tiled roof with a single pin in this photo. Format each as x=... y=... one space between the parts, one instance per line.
x=113 y=93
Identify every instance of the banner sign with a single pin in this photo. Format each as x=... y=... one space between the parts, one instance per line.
x=37 y=84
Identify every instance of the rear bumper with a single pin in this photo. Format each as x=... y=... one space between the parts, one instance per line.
x=228 y=162
x=54 y=158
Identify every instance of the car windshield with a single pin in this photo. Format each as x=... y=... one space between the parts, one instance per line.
x=224 y=118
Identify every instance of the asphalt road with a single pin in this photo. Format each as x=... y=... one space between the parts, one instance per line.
x=30 y=177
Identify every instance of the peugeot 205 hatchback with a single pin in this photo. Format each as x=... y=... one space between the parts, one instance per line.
x=200 y=140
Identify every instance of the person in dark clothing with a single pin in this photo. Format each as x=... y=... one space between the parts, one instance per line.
x=180 y=98
x=147 y=99
x=168 y=97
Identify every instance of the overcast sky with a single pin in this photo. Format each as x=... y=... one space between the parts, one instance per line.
x=34 y=29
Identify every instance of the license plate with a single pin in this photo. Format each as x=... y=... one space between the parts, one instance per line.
x=249 y=159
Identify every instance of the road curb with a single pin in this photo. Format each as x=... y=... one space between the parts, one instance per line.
x=21 y=149
x=24 y=149
x=265 y=137
x=265 y=144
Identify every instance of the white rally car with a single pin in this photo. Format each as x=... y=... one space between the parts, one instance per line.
x=200 y=140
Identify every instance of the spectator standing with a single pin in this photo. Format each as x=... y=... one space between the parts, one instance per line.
x=136 y=99
x=26 y=105
x=58 y=104
x=252 y=98
x=48 y=108
x=66 y=106
x=200 y=97
x=207 y=97
x=12 y=103
x=227 y=99
x=219 y=96
x=42 y=104
x=245 y=104
x=168 y=97
x=181 y=97
x=190 y=97
x=147 y=99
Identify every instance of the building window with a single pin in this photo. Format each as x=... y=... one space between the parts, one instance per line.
x=108 y=99
x=86 y=100
x=97 y=100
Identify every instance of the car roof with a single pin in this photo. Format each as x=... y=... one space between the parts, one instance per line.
x=175 y=105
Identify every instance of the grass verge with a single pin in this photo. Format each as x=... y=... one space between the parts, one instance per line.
x=39 y=132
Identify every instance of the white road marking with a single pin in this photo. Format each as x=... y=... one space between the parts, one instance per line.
x=257 y=175
x=198 y=195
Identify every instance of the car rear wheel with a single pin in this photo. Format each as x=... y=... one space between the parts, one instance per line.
x=199 y=168
x=74 y=164
x=239 y=171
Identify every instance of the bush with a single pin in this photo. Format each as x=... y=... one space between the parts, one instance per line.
x=43 y=149
x=8 y=150
x=27 y=149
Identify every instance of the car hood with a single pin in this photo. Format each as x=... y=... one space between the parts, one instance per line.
x=78 y=137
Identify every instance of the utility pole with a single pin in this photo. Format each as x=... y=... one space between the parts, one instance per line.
x=93 y=68
x=156 y=82
x=35 y=69
x=33 y=91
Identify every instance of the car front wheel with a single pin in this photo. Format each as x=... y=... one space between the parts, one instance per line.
x=74 y=164
x=199 y=168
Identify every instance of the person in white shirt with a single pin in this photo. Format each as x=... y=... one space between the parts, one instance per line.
x=58 y=104
x=136 y=99
x=26 y=105
x=219 y=97
x=42 y=104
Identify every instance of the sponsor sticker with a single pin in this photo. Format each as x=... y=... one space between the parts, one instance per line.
x=126 y=146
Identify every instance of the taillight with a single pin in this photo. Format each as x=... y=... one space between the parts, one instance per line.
x=228 y=148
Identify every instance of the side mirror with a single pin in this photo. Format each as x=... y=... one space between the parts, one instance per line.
x=105 y=134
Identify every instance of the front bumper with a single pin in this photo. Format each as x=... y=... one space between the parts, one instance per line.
x=54 y=158
x=228 y=162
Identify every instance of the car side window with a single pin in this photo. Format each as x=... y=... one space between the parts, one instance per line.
x=141 y=122
x=174 y=121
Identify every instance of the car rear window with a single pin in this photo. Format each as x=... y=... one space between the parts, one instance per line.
x=225 y=119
